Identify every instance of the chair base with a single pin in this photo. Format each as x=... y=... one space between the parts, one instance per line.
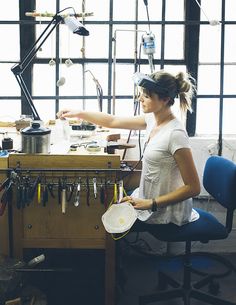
x=185 y=294
x=185 y=290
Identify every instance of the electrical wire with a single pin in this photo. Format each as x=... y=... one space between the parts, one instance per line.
x=211 y=22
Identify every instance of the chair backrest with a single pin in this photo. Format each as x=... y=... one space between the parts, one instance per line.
x=219 y=180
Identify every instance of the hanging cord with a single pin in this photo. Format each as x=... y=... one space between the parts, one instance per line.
x=99 y=91
x=146 y=4
x=211 y=22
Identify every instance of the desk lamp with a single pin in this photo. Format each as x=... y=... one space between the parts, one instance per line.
x=74 y=25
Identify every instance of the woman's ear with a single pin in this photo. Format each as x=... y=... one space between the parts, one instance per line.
x=166 y=99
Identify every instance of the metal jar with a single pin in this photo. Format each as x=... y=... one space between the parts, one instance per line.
x=35 y=139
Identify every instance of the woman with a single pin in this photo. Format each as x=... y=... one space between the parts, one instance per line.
x=169 y=178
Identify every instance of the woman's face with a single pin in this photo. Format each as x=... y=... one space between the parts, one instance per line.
x=151 y=103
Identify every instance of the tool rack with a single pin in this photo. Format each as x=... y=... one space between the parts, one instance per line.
x=44 y=224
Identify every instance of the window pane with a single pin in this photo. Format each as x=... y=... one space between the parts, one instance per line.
x=70 y=44
x=48 y=48
x=125 y=13
x=229 y=122
x=124 y=38
x=73 y=80
x=124 y=82
x=174 y=42
x=230 y=10
x=154 y=8
x=10 y=49
x=208 y=79
x=44 y=80
x=175 y=10
x=124 y=107
x=209 y=44
x=230 y=44
x=10 y=86
x=43 y=6
x=78 y=104
x=96 y=44
x=211 y=9
x=100 y=11
x=10 y=116
x=175 y=69
x=229 y=81
x=77 y=5
x=9 y=6
x=71 y=104
x=46 y=109
x=207 y=116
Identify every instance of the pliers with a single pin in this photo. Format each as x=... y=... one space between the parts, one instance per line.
x=7 y=194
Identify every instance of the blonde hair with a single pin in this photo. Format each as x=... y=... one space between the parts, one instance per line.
x=181 y=85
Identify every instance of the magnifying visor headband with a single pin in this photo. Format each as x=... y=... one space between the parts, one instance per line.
x=145 y=81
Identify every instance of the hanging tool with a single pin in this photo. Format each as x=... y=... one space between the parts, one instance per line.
x=6 y=197
x=4 y=184
x=50 y=189
x=105 y=193
x=33 y=188
x=8 y=192
x=39 y=190
x=121 y=190
x=71 y=191
x=27 y=190
x=148 y=42
x=87 y=191
x=102 y=193
x=77 y=194
x=59 y=190
x=95 y=187
x=45 y=193
x=18 y=195
x=63 y=197
x=115 y=193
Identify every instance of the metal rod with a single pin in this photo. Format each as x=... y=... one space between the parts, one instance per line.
x=60 y=169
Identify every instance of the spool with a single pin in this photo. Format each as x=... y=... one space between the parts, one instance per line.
x=93 y=148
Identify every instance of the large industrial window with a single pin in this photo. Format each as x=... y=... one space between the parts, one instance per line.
x=112 y=52
x=216 y=101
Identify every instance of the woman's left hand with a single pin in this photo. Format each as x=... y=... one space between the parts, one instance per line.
x=138 y=203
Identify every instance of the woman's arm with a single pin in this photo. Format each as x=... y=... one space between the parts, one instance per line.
x=104 y=119
x=190 y=188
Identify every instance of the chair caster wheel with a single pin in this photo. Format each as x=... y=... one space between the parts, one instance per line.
x=214 y=287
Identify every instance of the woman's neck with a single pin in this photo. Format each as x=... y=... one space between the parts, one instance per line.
x=163 y=118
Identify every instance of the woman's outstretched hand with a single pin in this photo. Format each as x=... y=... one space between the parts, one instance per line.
x=138 y=203
x=68 y=113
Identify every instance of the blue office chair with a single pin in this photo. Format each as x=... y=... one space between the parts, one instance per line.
x=219 y=179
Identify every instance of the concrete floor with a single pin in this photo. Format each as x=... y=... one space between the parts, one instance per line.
x=140 y=278
x=136 y=276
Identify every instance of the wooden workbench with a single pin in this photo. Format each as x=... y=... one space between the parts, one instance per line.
x=37 y=226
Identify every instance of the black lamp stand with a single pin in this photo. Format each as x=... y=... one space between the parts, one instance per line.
x=19 y=68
